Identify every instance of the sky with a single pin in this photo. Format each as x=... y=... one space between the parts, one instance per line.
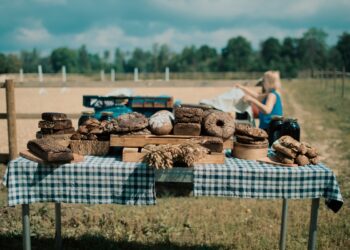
x=108 y=24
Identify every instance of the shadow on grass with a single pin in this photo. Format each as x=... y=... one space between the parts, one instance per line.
x=89 y=242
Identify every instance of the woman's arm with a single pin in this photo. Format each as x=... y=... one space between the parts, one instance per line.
x=265 y=108
x=251 y=92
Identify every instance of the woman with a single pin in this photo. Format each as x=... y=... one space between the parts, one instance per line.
x=269 y=103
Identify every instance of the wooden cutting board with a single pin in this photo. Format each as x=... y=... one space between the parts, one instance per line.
x=30 y=156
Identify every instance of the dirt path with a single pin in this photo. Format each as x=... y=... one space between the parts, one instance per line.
x=313 y=130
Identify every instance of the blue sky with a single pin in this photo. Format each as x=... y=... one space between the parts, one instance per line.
x=107 y=24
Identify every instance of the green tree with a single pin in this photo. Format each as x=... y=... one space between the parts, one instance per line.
x=207 y=59
x=313 y=49
x=237 y=55
x=64 y=57
x=3 y=62
x=119 y=60
x=343 y=46
x=30 y=60
x=13 y=63
x=83 y=60
x=271 y=52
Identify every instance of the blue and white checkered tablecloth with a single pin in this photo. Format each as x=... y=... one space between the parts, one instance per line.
x=251 y=179
x=97 y=180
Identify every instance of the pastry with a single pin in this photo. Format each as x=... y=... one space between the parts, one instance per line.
x=284 y=158
x=291 y=143
x=282 y=149
x=248 y=130
x=302 y=160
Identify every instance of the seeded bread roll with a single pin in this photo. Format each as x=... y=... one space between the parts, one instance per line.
x=302 y=160
x=53 y=116
x=282 y=149
x=289 y=142
x=49 y=150
x=284 y=158
x=131 y=122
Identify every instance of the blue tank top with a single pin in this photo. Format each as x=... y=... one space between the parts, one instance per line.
x=276 y=110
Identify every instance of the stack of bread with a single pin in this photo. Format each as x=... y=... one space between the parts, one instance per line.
x=188 y=121
x=53 y=123
x=246 y=134
x=290 y=151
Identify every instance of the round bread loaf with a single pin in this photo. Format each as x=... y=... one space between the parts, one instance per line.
x=219 y=124
x=161 y=123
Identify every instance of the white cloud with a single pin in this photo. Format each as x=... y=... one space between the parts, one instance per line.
x=32 y=34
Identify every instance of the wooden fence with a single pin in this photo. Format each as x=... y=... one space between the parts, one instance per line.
x=333 y=80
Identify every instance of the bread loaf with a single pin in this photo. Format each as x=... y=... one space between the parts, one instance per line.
x=161 y=123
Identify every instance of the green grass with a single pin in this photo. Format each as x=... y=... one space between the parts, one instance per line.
x=210 y=223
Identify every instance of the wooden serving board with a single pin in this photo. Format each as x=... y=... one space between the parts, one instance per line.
x=30 y=156
x=137 y=154
x=271 y=161
x=139 y=141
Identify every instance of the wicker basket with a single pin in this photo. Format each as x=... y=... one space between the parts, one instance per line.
x=89 y=147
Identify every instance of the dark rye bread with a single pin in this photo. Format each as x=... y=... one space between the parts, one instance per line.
x=193 y=129
x=214 y=144
x=248 y=130
x=49 y=131
x=219 y=124
x=131 y=122
x=60 y=124
x=49 y=150
x=188 y=115
x=53 y=116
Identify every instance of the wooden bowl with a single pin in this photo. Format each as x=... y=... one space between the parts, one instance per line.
x=250 y=151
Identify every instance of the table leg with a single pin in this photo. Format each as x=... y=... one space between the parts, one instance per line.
x=313 y=224
x=26 y=227
x=58 y=236
x=283 y=232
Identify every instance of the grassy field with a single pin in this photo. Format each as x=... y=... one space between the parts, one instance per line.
x=210 y=223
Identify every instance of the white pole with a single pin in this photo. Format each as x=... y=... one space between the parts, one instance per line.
x=112 y=75
x=167 y=74
x=40 y=72
x=42 y=90
x=21 y=75
x=136 y=74
x=102 y=75
x=64 y=75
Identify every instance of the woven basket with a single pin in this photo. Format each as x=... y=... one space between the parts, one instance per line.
x=87 y=147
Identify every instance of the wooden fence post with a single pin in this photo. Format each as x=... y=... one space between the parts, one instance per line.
x=343 y=83
x=11 y=118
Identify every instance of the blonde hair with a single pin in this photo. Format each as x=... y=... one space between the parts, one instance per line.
x=272 y=79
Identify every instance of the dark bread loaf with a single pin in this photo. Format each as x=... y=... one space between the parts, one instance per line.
x=53 y=116
x=131 y=122
x=248 y=130
x=193 y=129
x=219 y=124
x=244 y=139
x=188 y=115
x=60 y=124
x=49 y=150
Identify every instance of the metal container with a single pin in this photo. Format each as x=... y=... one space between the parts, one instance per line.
x=275 y=128
x=291 y=127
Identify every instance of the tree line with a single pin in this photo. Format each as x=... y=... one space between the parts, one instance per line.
x=290 y=55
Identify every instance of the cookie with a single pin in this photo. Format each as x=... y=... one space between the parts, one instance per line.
x=289 y=142
x=282 y=149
